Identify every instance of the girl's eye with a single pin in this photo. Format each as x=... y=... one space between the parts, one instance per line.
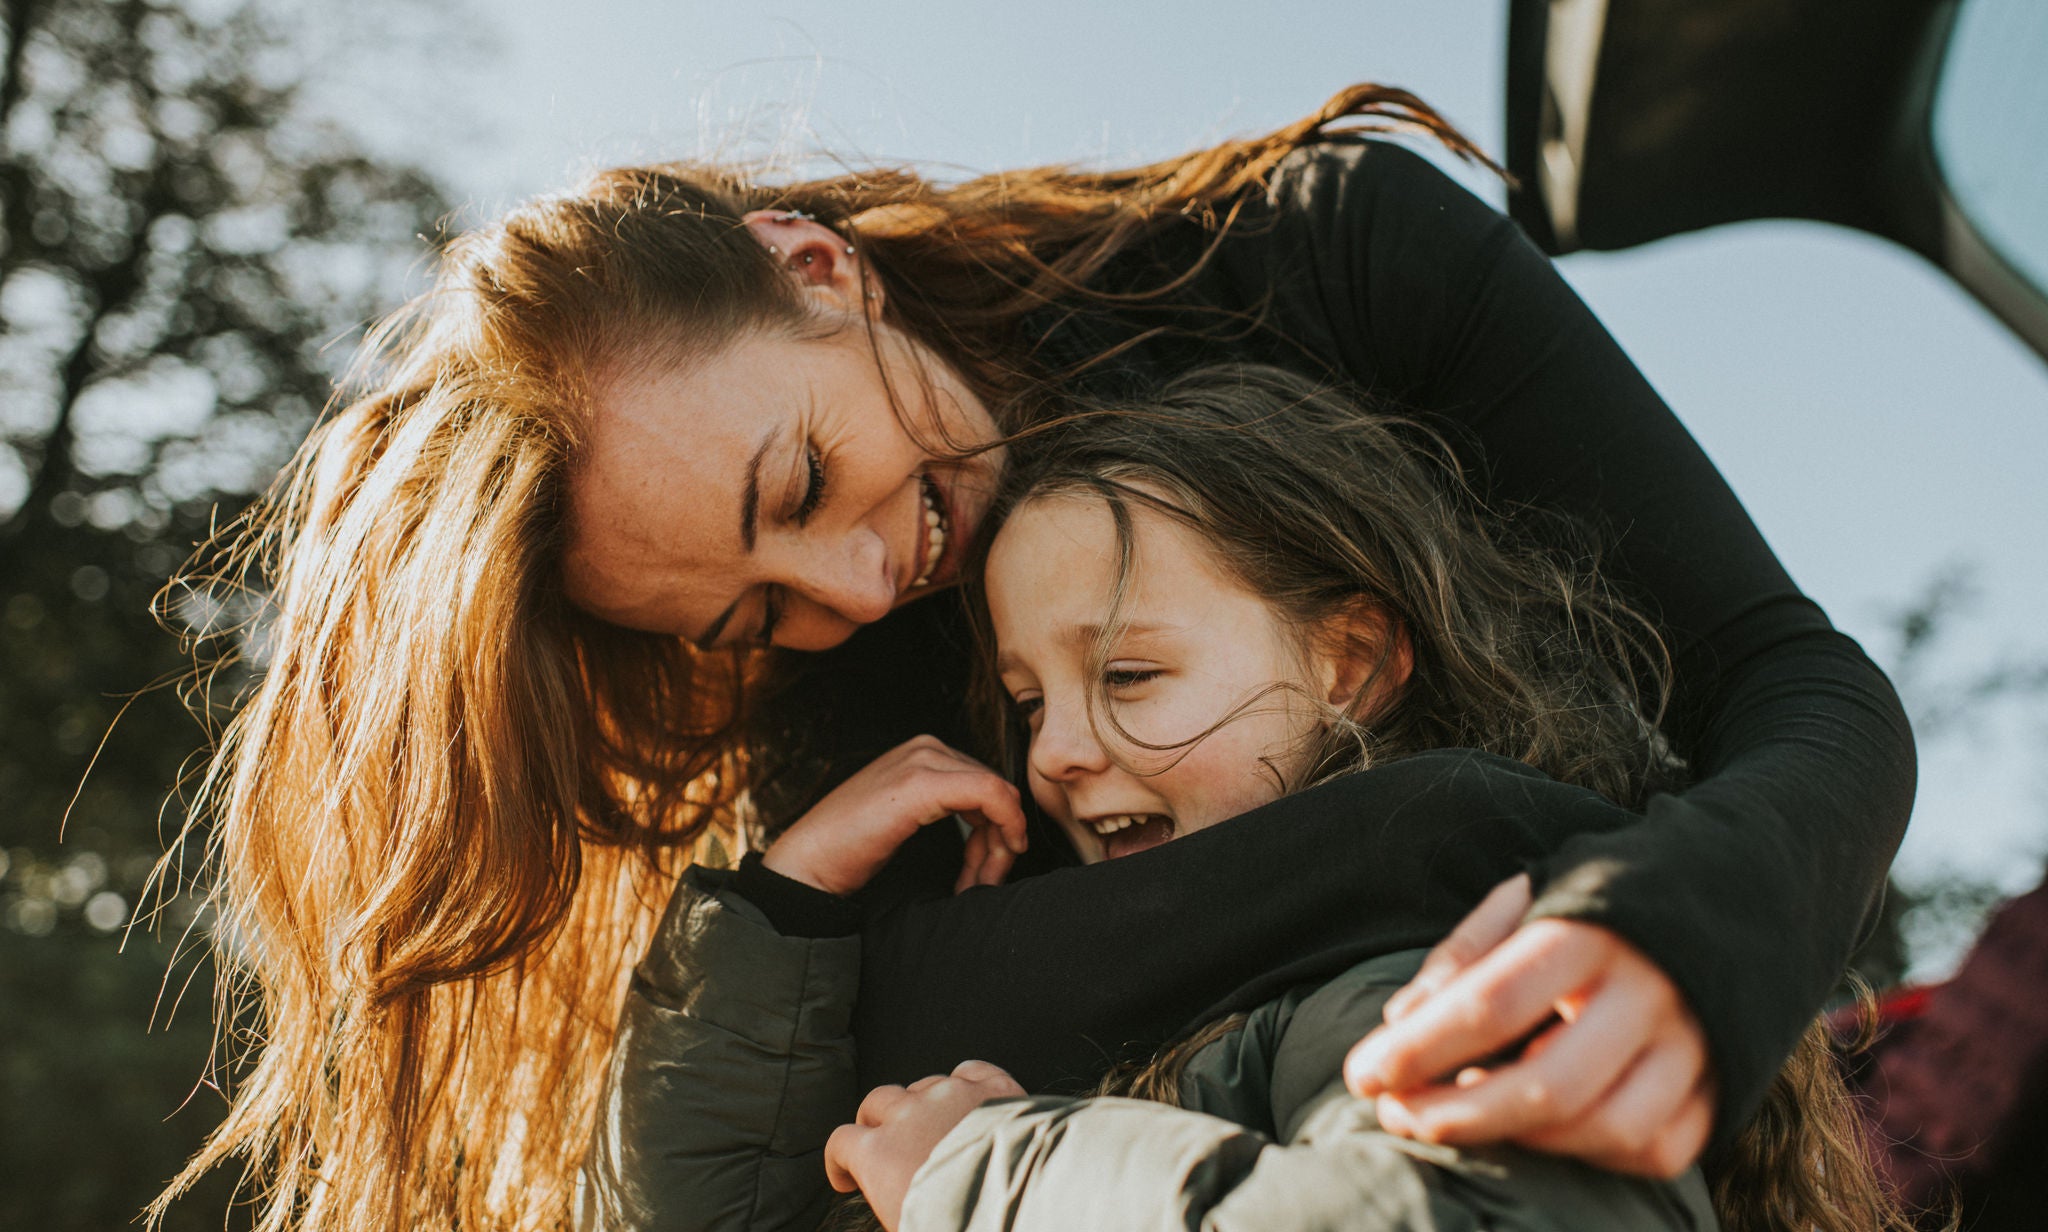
x=1129 y=677
x=1028 y=706
x=814 y=487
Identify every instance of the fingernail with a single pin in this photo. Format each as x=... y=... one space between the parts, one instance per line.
x=1362 y=1068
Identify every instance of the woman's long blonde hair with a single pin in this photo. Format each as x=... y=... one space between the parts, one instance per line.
x=440 y=827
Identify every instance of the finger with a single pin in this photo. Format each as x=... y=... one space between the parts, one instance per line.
x=875 y=1108
x=985 y=1074
x=842 y=1150
x=1627 y=1129
x=1486 y=926
x=972 y=858
x=997 y=858
x=943 y=793
x=1007 y=832
x=1491 y=1004
x=1684 y=1139
x=1577 y=1067
x=925 y=1083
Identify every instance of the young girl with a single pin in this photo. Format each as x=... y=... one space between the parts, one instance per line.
x=1242 y=589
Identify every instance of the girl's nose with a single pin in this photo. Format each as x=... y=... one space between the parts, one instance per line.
x=1065 y=746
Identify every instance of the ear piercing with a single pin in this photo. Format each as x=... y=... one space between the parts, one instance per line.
x=797 y=216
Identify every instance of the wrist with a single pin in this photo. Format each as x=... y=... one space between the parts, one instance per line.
x=795 y=908
x=790 y=857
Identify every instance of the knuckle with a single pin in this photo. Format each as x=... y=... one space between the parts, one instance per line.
x=1482 y=1006
x=1540 y=1102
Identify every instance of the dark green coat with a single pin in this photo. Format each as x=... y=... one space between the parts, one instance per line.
x=1268 y=1139
x=739 y=1044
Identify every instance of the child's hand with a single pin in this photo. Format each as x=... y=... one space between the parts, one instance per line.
x=851 y=833
x=1620 y=1078
x=897 y=1127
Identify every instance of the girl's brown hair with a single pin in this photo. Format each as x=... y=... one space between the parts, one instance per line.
x=441 y=826
x=1325 y=510
x=1316 y=503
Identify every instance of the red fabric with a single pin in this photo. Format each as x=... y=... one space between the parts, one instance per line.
x=1961 y=1083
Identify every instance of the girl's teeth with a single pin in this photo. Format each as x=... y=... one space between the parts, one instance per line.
x=1107 y=826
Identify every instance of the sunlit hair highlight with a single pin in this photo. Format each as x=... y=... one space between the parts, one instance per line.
x=443 y=821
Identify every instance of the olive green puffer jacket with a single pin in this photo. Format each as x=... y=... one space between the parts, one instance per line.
x=739 y=1042
x=1268 y=1139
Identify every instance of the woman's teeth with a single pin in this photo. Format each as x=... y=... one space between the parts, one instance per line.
x=1106 y=826
x=935 y=532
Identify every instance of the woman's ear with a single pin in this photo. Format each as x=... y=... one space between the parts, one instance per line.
x=1367 y=658
x=819 y=258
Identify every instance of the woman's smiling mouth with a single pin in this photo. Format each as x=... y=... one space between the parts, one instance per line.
x=937 y=527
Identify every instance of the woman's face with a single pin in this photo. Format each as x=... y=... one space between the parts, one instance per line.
x=1196 y=646
x=773 y=494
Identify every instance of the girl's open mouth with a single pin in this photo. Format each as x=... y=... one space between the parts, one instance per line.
x=1125 y=833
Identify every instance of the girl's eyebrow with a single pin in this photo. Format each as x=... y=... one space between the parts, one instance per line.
x=1089 y=632
x=1082 y=635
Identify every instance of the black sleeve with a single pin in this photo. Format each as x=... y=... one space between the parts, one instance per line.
x=1059 y=976
x=1752 y=887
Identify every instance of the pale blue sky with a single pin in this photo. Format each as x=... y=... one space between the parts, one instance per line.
x=1875 y=421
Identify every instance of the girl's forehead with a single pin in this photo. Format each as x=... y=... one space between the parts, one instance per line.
x=1055 y=563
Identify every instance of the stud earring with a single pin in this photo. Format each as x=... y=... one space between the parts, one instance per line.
x=797 y=216
x=849 y=250
x=809 y=257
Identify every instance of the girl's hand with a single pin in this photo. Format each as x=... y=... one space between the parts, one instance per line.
x=897 y=1127
x=847 y=837
x=1620 y=1079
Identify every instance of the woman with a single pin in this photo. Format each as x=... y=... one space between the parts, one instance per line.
x=637 y=431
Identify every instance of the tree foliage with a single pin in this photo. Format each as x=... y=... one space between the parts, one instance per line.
x=187 y=251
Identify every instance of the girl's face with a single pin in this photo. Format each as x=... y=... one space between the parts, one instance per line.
x=1196 y=646
x=774 y=493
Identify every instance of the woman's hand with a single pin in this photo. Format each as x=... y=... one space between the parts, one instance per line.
x=847 y=837
x=897 y=1127
x=1619 y=1077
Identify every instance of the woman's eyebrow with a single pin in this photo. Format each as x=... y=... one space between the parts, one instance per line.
x=750 y=514
x=750 y=504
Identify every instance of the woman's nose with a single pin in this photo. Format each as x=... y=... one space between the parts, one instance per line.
x=1065 y=746
x=852 y=579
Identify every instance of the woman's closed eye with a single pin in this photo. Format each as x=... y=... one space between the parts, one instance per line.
x=814 y=484
x=1028 y=704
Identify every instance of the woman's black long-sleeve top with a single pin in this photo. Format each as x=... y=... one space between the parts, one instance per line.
x=1750 y=888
